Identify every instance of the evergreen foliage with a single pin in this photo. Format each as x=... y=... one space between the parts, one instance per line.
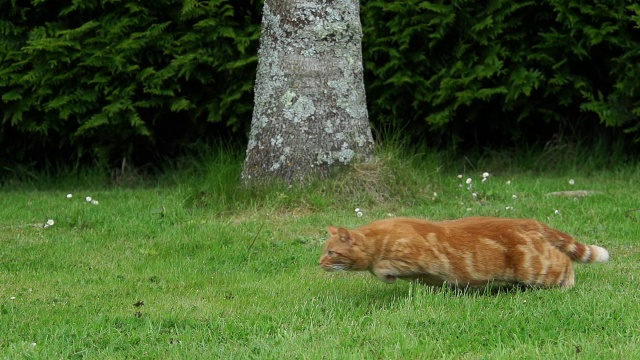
x=503 y=65
x=88 y=80
x=103 y=79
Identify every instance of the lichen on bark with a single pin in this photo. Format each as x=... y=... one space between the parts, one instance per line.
x=310 y=110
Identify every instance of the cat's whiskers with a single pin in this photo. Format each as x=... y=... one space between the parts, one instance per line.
x=339 y=267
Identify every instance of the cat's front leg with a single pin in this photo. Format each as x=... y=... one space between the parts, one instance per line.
x=385 y=272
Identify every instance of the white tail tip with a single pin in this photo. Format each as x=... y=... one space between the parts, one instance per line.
x=599 y=254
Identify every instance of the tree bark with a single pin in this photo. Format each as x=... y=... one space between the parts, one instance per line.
x=310 y=111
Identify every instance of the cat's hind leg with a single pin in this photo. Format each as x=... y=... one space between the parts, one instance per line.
x=560 y=272
x=546 y=272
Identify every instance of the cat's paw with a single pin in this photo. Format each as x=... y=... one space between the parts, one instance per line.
x=386 y=276
x=390 y=279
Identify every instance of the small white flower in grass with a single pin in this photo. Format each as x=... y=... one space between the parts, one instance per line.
x=435 y=194
x=485 y=175
x=358 y=212
x=33 y=344
x=469 y=180
x=13 y=298
x=557 y=212
x=69 y=196
x=572 y=182
x=514 y=196
x=474 y=195
x=509 y=208
x=508 y=182
x=459 y=176
x=94 y=202
x=88 y=198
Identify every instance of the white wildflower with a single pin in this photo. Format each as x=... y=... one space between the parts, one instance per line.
x=469 y=180
x=572 y=182
x=12 y=298
x=508 y=182
x=485 y=175
x=88 y=198
x=557 y=212
x=474 y=195
x=69 y=196
x=509 y=208
x=459 y=176
x=49 y=223
x=94 y=202
x=514 y=196
x=359 y=214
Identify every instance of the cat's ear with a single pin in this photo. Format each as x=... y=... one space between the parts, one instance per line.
x=345 y=236
x=332 y=230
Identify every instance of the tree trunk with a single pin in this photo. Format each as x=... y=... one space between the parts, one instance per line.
x=310 y=111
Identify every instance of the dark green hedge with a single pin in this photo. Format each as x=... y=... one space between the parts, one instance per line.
x=100 y=80
x=106 y=79
x=506 y=66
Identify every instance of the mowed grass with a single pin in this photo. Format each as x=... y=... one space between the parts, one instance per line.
x=195 y=267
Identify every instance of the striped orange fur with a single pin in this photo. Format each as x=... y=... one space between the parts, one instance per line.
x=469 y=252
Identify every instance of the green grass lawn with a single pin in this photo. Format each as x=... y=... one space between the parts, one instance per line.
x=196 y=268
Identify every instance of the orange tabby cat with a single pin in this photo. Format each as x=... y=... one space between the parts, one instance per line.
x=469 y=252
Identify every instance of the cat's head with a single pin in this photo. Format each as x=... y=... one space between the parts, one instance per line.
x=344 y=250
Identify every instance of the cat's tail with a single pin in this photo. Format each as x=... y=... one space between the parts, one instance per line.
x=576 y=250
